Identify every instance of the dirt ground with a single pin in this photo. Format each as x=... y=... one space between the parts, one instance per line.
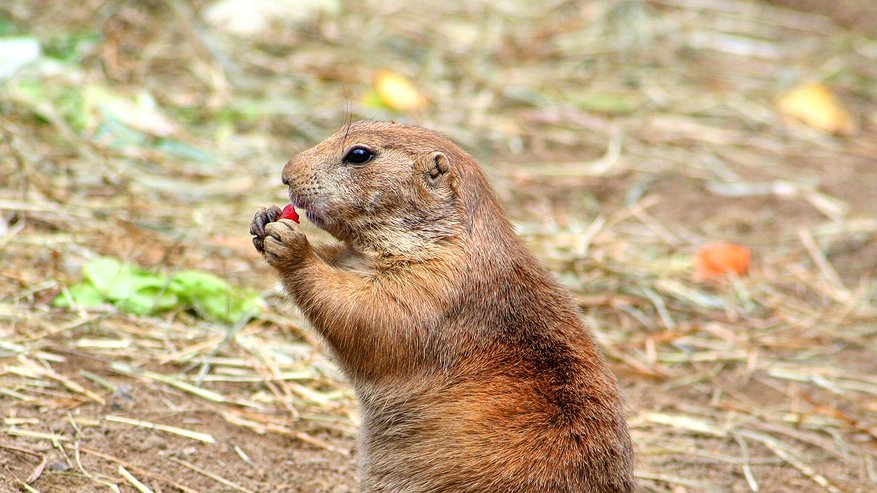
x=267 y=462
x=622 y=135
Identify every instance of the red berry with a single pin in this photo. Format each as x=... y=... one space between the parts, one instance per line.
x=289 y=213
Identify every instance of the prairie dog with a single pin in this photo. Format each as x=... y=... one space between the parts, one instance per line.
x=471 y=364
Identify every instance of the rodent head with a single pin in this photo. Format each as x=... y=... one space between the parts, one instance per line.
x=385 y=188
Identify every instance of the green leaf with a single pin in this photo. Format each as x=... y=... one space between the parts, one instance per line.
x=71 y=47
x=132 y=289
x=49 y=101
x=82 y=295
x=149 y=299
x=213 y=297
x=30 y=90
x=112 y=278
x=135 y=290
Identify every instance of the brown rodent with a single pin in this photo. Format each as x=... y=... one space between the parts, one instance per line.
x=470 y=362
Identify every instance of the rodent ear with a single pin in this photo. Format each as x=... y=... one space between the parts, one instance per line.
x=437 y=168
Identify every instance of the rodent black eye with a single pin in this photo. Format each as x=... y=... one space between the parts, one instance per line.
x=358 y=155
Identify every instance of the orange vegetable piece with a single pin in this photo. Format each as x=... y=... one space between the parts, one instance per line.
x=716 y=260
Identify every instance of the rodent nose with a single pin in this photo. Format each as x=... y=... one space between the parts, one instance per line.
x=284 y=174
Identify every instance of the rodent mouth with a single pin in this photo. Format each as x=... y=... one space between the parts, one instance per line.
x=308 y=206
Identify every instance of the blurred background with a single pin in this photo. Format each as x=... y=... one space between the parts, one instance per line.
x=701 y=173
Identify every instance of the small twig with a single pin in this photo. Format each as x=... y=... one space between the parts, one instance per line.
x=26 y=486
x=236 y=419
x=674 y=480
x=35 y=434
x=38 y=471
x=142 y=488
x=747 y=470
x=194 y=435
x=838 y=291
x=187 y=387
x=218 y=479
x=138 y=470
x=782 y=452
x=244 y=457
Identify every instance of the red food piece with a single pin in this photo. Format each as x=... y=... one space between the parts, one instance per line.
x=716 y=260
x=289 y=213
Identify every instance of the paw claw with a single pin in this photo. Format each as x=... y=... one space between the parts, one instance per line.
x=259 y=243
x=262 y=218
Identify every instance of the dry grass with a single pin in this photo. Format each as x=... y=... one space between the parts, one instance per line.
x=623 y=135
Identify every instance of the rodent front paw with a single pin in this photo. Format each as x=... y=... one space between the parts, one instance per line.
x=284 y=243
x=261 y=218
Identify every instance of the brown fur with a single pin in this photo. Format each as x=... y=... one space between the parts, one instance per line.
x=472 y=367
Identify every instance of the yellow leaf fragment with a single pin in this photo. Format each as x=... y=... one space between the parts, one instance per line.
x=815 y=105
x=397 y=92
